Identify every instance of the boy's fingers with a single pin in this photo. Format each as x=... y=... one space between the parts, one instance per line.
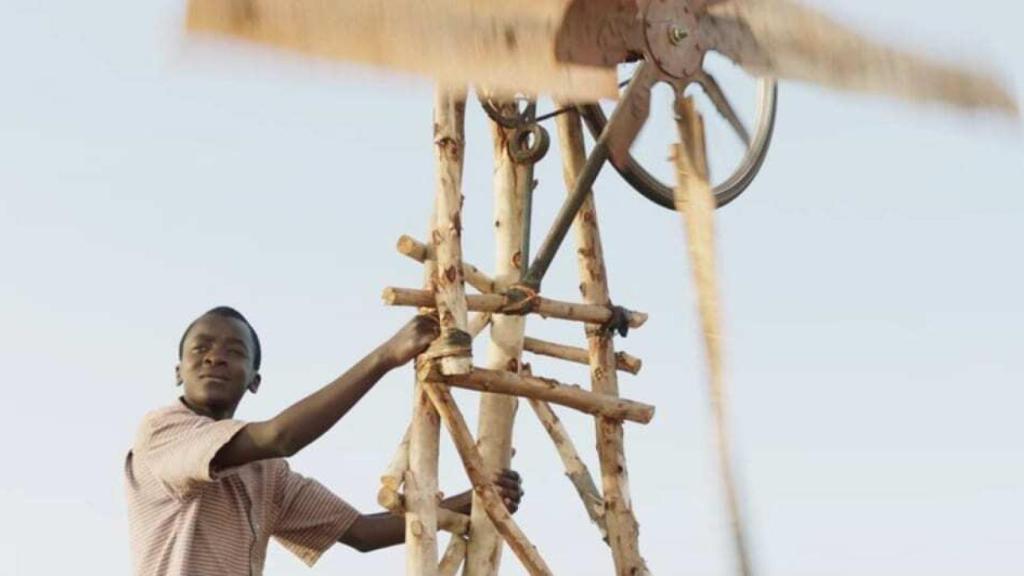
x=428 y=319
x=511 y=491
x=508 y=483
x=510 y=475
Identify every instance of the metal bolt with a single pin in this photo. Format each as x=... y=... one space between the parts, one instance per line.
x=676 y=34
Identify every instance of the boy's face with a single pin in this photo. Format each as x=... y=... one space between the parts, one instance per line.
x=217 y=364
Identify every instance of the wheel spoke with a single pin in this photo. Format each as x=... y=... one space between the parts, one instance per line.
x=724 y=107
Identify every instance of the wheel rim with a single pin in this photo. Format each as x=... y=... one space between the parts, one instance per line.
x=661 y=194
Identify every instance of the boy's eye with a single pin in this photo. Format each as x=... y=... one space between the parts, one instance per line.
x=237 y=352
x=200 y=348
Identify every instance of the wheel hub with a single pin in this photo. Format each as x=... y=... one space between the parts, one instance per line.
x=670 y=30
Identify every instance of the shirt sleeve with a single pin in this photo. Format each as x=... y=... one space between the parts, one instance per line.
x=178 y=447
x=310 y=518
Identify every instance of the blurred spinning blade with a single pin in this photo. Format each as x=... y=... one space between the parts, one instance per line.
x=504 y=46
x=784 y=39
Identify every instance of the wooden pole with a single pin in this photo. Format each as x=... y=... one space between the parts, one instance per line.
x=421 y=485
x=508 y=384
x=696 y=203
x=623 y=530
x=588 y=313
x=483 y=486
x=420 y=481
x=512 y=183
x=623 y=361
x=454 y=345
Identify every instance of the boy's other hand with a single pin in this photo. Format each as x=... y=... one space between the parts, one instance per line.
x=412 y=339
x=510 y=488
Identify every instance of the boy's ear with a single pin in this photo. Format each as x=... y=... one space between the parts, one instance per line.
x=177 y=374
x=254 y=386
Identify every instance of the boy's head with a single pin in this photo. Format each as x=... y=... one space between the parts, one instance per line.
x=218 y=360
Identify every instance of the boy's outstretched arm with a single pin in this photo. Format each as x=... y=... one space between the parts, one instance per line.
x=375 y=531
x=306 y=420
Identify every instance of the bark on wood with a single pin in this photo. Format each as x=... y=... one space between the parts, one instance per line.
x=695 y=201
x=609 y=406
x=588 y=313
x=482 y=483
x=449 y=146
x=512 y=183
x=623 y=530
x=623 y=361
x=453 y=556
x=421 y=252
x=575 y=469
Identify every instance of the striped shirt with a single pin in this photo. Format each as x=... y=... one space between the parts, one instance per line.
x=185 y=520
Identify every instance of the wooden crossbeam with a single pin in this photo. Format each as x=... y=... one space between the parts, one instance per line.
x=447 y=520
x=589 y=313
x=420 y=252
x=548 y=390
x=623 y=361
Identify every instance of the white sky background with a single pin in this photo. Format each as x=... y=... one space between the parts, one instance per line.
x=871 y=284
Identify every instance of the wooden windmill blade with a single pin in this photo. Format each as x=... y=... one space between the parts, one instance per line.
x=505 y=46
x=785 y=39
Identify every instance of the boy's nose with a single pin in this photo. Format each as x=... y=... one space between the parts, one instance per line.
x=214 y=358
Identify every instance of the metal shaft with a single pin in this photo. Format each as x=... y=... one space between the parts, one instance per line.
x=625 y=123
x=546 y=252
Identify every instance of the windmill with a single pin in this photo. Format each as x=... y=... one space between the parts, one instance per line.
x=570 y=50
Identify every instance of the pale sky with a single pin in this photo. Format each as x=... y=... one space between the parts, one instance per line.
x=872 y=281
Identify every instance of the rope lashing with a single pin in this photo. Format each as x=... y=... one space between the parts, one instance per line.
x=520 y=299
x=619 y=322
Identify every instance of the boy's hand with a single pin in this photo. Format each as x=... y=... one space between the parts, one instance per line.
x=510 y=488
x=411 y=339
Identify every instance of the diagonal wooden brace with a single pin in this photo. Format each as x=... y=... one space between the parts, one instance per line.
x=575 y=469
x=482 y=485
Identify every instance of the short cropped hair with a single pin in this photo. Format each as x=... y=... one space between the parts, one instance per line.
x=227 y=312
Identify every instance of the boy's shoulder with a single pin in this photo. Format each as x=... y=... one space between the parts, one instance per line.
x=174 y=421
x=171 y=413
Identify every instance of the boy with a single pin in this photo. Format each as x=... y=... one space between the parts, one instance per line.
x=206 y=491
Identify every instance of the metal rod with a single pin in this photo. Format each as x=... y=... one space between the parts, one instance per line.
x=546 y=253
x=625 y=113
x=527 y=202
x=527 y=218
